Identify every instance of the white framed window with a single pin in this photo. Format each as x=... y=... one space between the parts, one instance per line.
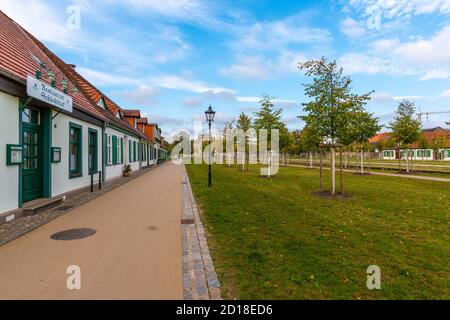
x=101 y=103
x=119 y=150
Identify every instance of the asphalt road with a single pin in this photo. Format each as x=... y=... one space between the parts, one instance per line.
x=135 y=254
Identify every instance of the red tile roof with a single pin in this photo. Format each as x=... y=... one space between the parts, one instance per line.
x=17 y=48
x=428 y=135
x=142 y=121
x=132 y=113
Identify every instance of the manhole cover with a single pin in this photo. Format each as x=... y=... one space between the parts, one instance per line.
x=74 y=234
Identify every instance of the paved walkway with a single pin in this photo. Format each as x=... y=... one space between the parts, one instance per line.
x=135 y=254
x=386 y=174
x=200 y=280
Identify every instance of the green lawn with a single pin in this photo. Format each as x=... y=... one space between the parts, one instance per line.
x=273 y=239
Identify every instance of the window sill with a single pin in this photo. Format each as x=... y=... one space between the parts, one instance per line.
x=75 y=175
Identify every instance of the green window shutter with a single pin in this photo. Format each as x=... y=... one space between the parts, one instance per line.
x=134 y=151
x=114 y=150
x=121 y=150
x=129 y=151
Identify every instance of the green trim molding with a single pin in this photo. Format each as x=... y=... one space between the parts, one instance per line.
x=78 y=172
x=14 y=154
x=56 y=154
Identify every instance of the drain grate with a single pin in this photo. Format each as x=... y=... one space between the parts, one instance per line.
x=63 y=208
x=73 y=234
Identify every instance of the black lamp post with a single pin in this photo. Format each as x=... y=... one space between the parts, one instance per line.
x=210 y=113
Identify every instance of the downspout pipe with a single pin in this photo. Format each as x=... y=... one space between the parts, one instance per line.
x=105 y=125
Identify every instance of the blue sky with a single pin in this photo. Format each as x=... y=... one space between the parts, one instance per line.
x=173 y=58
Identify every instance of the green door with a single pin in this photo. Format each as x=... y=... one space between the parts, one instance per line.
x=32 y=171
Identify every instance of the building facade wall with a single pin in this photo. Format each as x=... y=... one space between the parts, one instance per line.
x=114 y=171
x=9 y=134
x=61 y=180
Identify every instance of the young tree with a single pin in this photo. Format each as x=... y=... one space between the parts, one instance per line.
x=227 y=132
x=310 y=142
x=365 y=126
x=405 y=128
x=269 y=118
x=333 y=104
x=244 y=123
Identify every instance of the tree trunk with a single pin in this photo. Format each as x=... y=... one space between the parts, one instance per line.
x=342 y=170
x=346 y=158
x=407 y=160
x=362 y=161
x=321 y=168
x=333 y=171
x=311 y=160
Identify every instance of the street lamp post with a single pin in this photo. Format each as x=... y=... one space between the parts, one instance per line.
x=210 y=113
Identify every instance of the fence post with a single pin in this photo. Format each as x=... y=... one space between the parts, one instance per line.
x=92 y=181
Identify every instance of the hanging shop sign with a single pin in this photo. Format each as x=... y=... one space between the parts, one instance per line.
x=46 y=93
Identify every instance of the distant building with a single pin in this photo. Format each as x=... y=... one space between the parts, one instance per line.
x=424 y=149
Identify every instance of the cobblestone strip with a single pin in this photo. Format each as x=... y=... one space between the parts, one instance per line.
x=21 y=226
x=200 y=280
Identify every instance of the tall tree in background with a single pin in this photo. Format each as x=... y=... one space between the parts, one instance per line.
x=332 y=106
x=405 y=128
x=244 y=123
x=439 y=143
x=295 y=146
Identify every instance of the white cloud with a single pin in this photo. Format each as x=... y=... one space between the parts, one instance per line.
x=142 y=95
x=192 y=102
x=396 y=8
x=220 y=95
x=363 y=63
x=385 y=45
x=202 y=13
x=99 y=78
x=445 y=94
x=278 y=35
x=352 y=28
x=382 y=97
x=180 y=83
x=247 y=67
x=408 y=97
x=29 y=14
x=434 y=51
x=163 y=120
x=261 y=68
x=426 y=59
x=435 y=74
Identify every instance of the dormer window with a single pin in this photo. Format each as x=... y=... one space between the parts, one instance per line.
x=101 y=103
